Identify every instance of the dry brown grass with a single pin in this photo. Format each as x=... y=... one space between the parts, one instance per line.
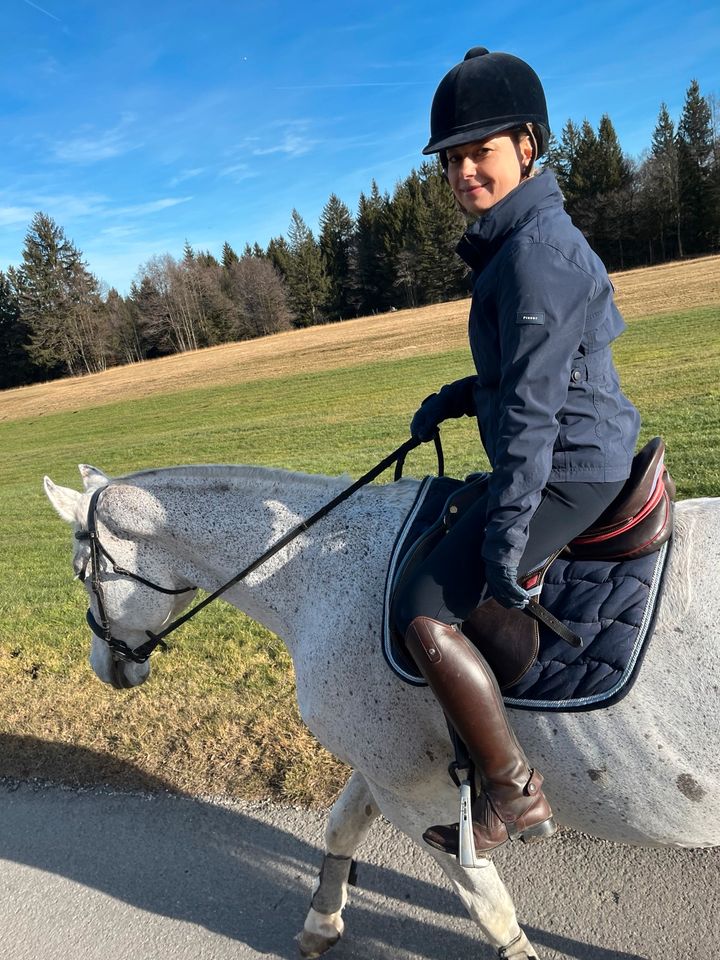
x=427 y=330
x=76 y=731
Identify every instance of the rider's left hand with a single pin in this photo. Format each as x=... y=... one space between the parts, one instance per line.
x=503 y=586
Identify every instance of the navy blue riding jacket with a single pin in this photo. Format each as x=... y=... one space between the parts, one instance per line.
x=546 y=394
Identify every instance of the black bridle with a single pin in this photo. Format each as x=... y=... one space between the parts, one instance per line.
x=120 y=649
x=140 y=654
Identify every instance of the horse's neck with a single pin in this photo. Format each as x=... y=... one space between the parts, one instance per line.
x=217 y=520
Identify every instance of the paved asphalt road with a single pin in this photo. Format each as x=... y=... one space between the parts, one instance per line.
x=107 y=876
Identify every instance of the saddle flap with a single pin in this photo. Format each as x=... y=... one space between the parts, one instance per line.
x=507 y=638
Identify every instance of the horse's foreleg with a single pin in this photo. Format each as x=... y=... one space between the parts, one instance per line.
x=350 y=819
x=487 y=901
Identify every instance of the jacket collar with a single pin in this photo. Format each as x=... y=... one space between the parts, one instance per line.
x=484 y=238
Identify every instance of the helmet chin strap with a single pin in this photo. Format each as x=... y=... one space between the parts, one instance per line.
x=533 y=140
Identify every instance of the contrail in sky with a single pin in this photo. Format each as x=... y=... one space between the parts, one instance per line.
x=46 y=12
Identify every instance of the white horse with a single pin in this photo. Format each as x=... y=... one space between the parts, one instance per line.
x=643 y=771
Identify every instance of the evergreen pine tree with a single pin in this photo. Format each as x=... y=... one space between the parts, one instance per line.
x=444 y=276
x=336 y=234
x=16 y=368
x=695 y=153
x=613 y=169
x=614 y=226
x=278 y=253
x=661 y=192
x=403 y=237
x=424 y=225
x=228 y=256
x=560 y=156
x=583 y=181
x=585 y=174
x=207 y=259
x=373 y=281
x=59 y=302
x=714 y=105
x=307 y=280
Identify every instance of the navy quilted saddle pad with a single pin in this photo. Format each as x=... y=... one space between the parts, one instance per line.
x=610 y=604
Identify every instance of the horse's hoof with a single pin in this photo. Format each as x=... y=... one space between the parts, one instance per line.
x=313 y=945
x=518 y=949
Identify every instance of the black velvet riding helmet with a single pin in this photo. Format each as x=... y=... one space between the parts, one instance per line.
x=483 y=95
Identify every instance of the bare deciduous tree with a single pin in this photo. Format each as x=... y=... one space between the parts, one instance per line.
x=259 y=297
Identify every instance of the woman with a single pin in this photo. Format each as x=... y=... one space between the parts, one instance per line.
x=558 y=432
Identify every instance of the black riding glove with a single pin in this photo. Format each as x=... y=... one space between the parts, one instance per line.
x=502 y=581
x=453 y=400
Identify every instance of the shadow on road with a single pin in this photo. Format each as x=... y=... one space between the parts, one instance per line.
x=245 y=873
x=204 y=863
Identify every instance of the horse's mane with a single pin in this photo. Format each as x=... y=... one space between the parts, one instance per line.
x=214 y=474
x=224 y=472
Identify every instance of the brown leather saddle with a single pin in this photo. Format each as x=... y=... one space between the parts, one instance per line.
x=636 y=523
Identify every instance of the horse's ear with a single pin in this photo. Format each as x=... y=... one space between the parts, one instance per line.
x=91 y=476
x=63 y=499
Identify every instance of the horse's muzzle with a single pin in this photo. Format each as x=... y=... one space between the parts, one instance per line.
x=125 y=676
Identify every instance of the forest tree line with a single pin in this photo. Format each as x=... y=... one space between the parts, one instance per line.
x=396 y=251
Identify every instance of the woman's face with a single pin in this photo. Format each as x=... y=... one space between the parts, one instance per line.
x=483 y=172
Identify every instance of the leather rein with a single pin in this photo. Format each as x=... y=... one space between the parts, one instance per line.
x=140 y=654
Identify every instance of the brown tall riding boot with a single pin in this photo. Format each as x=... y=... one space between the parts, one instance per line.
x=511 y=805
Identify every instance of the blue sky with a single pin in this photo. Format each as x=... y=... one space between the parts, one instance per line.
x=137 y=126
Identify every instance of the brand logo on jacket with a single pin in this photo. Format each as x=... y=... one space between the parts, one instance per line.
x=527 y=316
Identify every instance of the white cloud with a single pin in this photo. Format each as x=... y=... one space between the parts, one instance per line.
x=153 y=206
x=91 y=148
x=42 y=10
x=12 y=215
x=62 y=207
x=67 y=208
x=119 y=232
x=186 y=175
x=238 y=172
x=293 y=144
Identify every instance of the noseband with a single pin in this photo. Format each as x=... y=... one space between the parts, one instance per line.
x=120 y=649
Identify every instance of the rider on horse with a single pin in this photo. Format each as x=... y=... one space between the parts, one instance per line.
x=558 y=432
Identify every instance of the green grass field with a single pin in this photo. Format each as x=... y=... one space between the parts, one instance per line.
x=218 y=715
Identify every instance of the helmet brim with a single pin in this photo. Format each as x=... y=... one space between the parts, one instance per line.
x=475 y=133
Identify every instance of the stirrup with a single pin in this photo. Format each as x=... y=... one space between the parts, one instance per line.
x=466 y=840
